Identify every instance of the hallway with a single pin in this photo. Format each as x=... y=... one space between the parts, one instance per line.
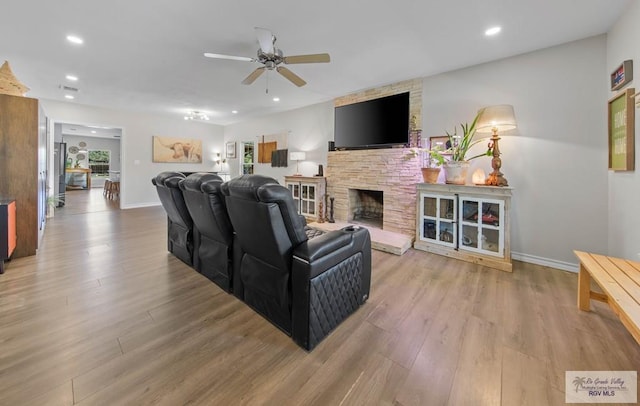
x=86 y=201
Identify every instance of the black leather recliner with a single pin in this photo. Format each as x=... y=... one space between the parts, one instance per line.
x=305 y=287
x=180 y=226
x=214 y=246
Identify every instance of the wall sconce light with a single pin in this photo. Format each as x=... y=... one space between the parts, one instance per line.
x=297 y=156
x=492 y=120
x=219 y=161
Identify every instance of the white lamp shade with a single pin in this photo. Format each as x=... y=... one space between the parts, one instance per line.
x=500 y=117
x=297 y=156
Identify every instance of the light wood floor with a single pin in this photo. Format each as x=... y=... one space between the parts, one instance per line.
x=103 y=315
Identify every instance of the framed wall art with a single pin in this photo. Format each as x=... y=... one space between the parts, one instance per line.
x=440 y=142
x=621 y=125
x=231 y=149
x=177 y=150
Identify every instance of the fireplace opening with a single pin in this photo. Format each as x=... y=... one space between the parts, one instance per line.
x=366 y=207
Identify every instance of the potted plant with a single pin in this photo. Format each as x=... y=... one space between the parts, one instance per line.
x=431 y=161
x=455 y=168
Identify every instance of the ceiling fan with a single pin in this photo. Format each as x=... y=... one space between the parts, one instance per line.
x=271 y=58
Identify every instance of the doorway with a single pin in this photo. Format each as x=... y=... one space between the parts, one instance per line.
x=85 y=158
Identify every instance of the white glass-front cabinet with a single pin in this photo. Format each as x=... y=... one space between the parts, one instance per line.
x=307 y=194
x=465 y=222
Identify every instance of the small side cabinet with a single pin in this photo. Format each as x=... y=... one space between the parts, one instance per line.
x=8 y=235
x=308 y=192
x=470 y=223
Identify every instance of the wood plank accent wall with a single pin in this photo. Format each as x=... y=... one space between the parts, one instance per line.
x=19 y=166
x=392 y=171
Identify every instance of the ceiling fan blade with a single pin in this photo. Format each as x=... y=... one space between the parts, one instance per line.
x=312 y=58
x=253 y=76
x=265 y=38
x=293 y=78
x=233 y=58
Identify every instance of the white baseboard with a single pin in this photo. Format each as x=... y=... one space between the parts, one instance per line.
x=552 y=263
x=140 y=205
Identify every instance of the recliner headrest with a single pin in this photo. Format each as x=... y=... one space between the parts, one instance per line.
x=194 y=182
x=163 y=177
x=247 y=186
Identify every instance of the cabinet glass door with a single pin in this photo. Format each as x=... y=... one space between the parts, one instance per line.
x=308 y=199
x=438 y=219
x=295 y=192
x=481 y=228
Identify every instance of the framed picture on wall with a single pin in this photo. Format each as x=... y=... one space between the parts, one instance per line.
x=177 y=150
x=440 y=142
x=621 y=125
x=231 y=149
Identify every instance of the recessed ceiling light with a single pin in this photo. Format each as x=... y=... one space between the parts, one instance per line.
x=93 y=131
x=234 y=111
x=492 y=31
x=72 y=78
x=75 y=39
x=276 y=99
x=68 y=96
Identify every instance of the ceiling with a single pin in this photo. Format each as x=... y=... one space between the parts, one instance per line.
x=147 y=55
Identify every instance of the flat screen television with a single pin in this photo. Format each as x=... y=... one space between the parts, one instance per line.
x=377 y=123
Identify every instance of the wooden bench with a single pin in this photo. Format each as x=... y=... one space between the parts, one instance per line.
x=619 y=279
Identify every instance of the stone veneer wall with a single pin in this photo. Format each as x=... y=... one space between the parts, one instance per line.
x=393 y=171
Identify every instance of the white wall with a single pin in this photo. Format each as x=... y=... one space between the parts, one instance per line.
x=556 y=160
x=624 y=187
x=309 y=129
x=136 y=143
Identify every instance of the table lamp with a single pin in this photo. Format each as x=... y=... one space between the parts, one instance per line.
x=493 y=119
x=297 y=156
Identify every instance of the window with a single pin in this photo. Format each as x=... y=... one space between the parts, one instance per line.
x=247 y=158
x=99 y=161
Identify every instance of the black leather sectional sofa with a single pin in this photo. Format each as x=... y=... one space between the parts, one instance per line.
x=245 y=235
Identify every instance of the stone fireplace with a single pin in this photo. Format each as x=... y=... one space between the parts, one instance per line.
x=390 y=172
x=366 y=207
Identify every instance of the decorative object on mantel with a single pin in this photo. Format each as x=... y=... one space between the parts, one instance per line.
x=9 y=83
x=493 y=119
x=622 y=76
x=320 y=170
x=621 y=126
